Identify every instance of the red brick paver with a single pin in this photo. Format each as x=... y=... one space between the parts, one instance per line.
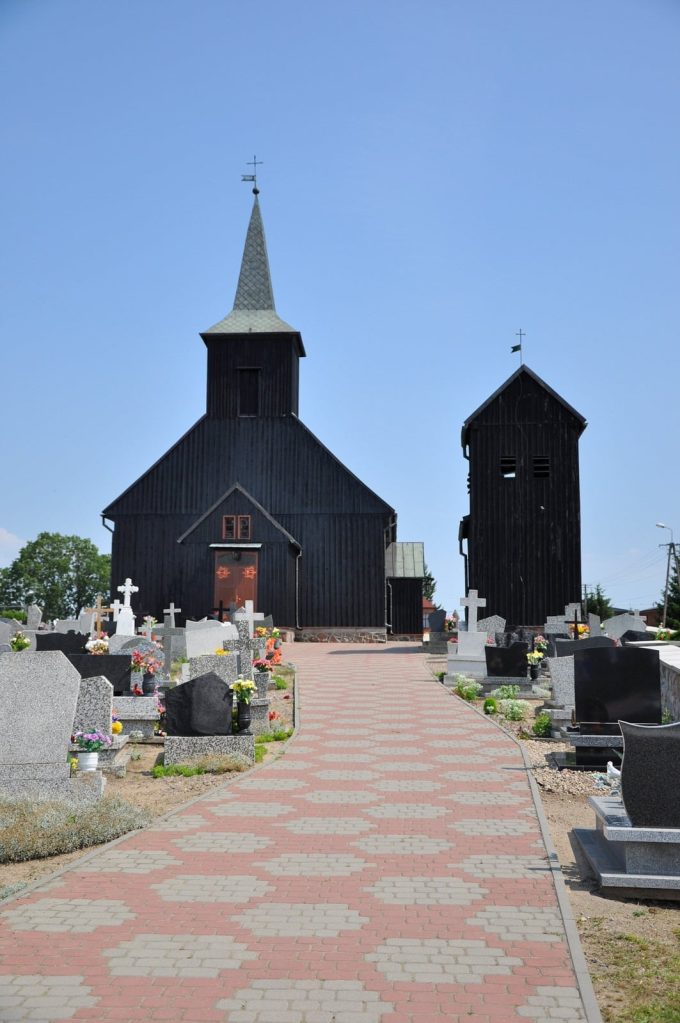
x=388 y=868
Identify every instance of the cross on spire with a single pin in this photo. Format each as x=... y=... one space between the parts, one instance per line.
x=254 y=163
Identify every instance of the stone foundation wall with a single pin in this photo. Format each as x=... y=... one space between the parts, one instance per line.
x=358 y=635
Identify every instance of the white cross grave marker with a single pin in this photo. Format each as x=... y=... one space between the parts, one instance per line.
x=127 y=589
x=472 y=603
x=170 y=612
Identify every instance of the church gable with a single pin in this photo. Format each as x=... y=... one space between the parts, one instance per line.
x=236 y=519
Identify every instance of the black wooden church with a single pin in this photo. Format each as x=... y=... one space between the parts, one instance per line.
x=249 y=504
x=523 y=533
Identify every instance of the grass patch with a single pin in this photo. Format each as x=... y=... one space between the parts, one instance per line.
x=280 y=682
x=644 y=974
x=278 y=735
x=32 y=830
x=259 y=754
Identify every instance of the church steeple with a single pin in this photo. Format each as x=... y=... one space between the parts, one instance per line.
x=253 y=355
x=254 y=310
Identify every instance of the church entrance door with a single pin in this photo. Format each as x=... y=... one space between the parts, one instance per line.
x=235 y=578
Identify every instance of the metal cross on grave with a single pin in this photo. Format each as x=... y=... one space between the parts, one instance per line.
x=127 y=589
x=169 y=615
x=473 y=602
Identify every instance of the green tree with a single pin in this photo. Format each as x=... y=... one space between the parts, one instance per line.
x=429 y=584
x=60 y=573
x=673 y=616
x=598 y=603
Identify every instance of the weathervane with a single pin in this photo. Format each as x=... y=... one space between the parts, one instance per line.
x=518 y=348
x=254 y=163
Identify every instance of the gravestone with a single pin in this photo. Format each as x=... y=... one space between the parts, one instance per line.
x=436 y=620
x=492 y=624
x=567 y=647
x=617 y=626
x=556 y=625
x=225 y=666
x=95 y=705
x=115 y=669
x=634 y=636
x=200 y=707
x=467 y=657
x=67 y=643
x=594 y=624
x=86 y=622
x=38 y=699
x=562 y=678
x=650 y=775
x=209 y=636
x=66 y=625
x=5 y=633
x=33 y=617
x=616 y=683
x=125 y=623
x=573 y=612
x=507 y=662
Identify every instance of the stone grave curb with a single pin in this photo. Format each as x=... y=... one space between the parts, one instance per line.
x=583 y=979
x=46 y=878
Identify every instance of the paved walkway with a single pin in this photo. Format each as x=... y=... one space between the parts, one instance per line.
x=388 y=868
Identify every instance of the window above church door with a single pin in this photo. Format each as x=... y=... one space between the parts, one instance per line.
x=236 y=527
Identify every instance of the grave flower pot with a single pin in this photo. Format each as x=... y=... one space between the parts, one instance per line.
x=243 y=717
x=533 y=671
x=148 y=683
x=88 y=760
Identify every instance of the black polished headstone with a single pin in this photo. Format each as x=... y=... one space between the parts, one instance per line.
x=632 y=636
x=67 y=643
x=650 y=774
x=436 y=620
x=200 y=707
x=616 y=683
x=506 y=662
x=115 y=669
x=565 y=647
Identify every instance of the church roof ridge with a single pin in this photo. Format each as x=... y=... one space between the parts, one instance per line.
x=254 y=310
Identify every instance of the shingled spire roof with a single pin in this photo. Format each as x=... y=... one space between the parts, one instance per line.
x=253 y=310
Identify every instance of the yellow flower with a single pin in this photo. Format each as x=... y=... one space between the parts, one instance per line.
x=116 y=727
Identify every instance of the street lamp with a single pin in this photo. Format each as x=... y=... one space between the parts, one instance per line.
x=671 y=547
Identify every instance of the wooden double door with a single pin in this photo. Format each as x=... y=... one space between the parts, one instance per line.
x=235 y=578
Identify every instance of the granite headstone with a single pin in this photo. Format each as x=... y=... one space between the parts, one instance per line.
x=650 y=774
x=616 y=683
x=506 y=662
x=95 y=705
x=201 y=706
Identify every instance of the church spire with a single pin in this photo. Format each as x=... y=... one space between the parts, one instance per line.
x=254 y=310
x=254 y=290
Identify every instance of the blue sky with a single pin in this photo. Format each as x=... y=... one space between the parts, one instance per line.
x=436 y=175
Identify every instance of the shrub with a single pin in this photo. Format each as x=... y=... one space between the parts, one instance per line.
x=506 y=692
x=490 y=705
x=17 y=616
x=440 y=675
x=32 y=830
x=542 y=726
x=280 y=683
x=467 y=688
x=513 y=710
